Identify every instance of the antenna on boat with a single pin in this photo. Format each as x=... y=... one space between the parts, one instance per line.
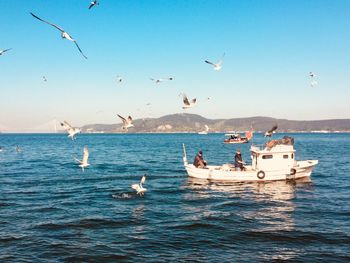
x=184 y=154
x=55 y=125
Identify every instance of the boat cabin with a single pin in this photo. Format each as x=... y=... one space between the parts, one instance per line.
x=280 y=157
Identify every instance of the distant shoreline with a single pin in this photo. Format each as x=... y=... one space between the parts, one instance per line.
x=111 y=133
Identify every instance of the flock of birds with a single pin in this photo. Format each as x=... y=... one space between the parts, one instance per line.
x=83 y=163
x=127 y=122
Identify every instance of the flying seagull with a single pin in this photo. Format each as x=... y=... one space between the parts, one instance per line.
x=70 y=129
x=139 y=188
x=84 y=163
x=271 y=131
x=64 y=34
x=217 y=65
x=119 y=79
x=157 y=81
x=313 y=81
x=188 y=104
x=127 y=123
x=3 y=51
x=44 y=79
x=93 y=3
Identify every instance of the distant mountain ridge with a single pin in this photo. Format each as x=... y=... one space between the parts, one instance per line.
x=194 y=123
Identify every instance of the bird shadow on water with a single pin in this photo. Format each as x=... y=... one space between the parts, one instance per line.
x=125 y=195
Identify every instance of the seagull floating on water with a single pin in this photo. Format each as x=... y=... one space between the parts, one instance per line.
x=64 y=34
x=217 y=65
x=313 y=81
x=187 y=103
x=127 y=123
x=93 y=3
x=139 y=188
x=3 y=51
x=84 y=163
x=271 y=131
x=70 y=129
x=18 y=149
x=157 y=81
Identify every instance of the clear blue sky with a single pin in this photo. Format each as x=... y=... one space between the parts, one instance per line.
x=270 y=47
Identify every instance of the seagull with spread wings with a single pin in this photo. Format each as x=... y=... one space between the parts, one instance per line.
x=64 y=34
x=217 y=65
x=157 y=81
x=93 y=3
x=127 y=123
x=3 y=51
x=140 y=190
x=70 y=129
x=271 y=131
x=84 y=163
x=187 y=103
x=313 y=81
x=119 y=79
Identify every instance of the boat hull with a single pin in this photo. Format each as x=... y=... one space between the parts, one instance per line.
x=302 y=169
x=235 y=142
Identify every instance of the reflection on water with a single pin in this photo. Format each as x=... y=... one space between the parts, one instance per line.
x=269 y=205
x=279 y=190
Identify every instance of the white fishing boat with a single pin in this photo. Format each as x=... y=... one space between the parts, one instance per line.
x=206 y=130
x=273 y=162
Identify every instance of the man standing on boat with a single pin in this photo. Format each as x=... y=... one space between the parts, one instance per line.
x=239 y=161
x=198 y=160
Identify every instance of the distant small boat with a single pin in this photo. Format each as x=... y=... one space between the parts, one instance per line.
x=234 y=138
x=206 y=130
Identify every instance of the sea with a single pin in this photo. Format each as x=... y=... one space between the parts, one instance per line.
x=52 y=211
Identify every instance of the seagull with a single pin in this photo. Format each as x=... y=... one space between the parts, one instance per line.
x=271 y=131
x=119 y=79
x=157 y=81
x=188 y=104
x=93 y=3
x=313 y=82
x=84 y=163
x=44 y=79
x=64 y=34
x=139 y=188
x=3 y=51
x=127 y=123
x=18 y=149
x=70 y=129
x=217 y=65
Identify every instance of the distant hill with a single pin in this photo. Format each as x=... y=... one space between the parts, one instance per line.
x=194 y=123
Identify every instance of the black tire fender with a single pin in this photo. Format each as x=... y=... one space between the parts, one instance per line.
x=261 y=174
x=293 y=171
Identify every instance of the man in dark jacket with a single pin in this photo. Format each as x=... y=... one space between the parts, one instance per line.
x=198 y=160
x=239 y=161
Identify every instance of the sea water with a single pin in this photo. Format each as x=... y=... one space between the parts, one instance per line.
x=51 y=211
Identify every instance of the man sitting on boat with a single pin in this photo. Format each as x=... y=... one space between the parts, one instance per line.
x=239 y=161
x=198 y=160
